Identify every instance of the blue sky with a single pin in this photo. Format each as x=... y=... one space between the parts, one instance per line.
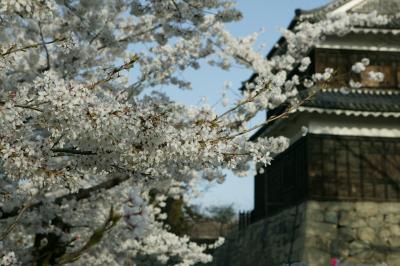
x=208 y=82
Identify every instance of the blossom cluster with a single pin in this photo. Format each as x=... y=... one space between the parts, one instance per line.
x=8 y=259
x=376 y=76
x=360 y=67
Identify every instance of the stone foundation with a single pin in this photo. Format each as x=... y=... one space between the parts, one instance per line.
x=365 y=233
x=357 y=233
x=271 y=241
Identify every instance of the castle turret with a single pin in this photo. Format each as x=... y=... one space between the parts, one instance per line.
x=335 y=192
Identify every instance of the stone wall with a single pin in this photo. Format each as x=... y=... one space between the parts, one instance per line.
x=274 y=240
x=357 y=233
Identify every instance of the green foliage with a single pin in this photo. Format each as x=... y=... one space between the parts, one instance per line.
x=223 y=214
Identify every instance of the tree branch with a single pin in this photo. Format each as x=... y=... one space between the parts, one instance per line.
x=83 y=193
x=45 y=49
x=30 y=106
x=114 y=72
x=94 y=239
x=12 y=226
x=14 y=48
x=74 y=151
x=127 y=38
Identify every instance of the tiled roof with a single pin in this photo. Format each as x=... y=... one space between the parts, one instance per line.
x=319 y=11
x=357 y=100
x=382 y=7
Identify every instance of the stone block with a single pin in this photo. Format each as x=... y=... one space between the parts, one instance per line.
x=314 y=205
x=331 y=217
x=344 y=252
x=390 y=207
x=315 y=257
x=393 y=259
x=320 y=229
x=366 y=209
x=346 y=234
x=395 y=229
x=346 y=217
x=366 y=234
x=339 y=206
x=350 y=261
x=394 y=241
x=321 y=242
x=358 y=223
x=351 y=219
x=392 y=218
x=315 y=215
x=384 y=235
x=369 y=256
x=375 y=221
x=356 y=247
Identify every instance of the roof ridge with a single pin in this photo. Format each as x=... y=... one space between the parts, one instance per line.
x=325 y=8
x=349 y=6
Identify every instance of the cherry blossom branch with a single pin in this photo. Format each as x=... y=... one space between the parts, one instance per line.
x=14 y=48
x=45 y=49
x=86 y=193
x=29 y=106
x=285 y=114
x=177 y=9
x=94 y=239
x=273 y=118
x=73 y=151
x=111 y=75
x=250 y=99
x=80 y=195
x=198 y=8
x=14 y=224
x=125 y=39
